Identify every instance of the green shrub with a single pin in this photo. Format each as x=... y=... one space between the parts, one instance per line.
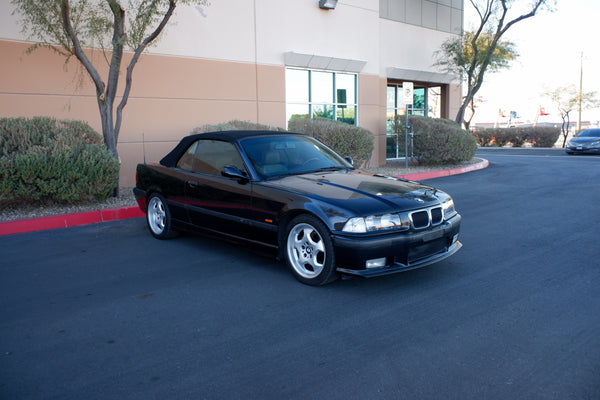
x=345 y=139
x=438 y=141
x=484 y=137
x=43 y=159
x=234 y=126
x=543 y=136
x=517 y=136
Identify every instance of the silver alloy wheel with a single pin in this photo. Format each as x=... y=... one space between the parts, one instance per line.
x=156 y=215
x=306 y=250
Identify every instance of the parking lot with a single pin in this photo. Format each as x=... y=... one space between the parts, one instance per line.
x=106 y=311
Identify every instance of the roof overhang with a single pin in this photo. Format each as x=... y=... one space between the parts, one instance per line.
x=411 y=75
x=313 y=61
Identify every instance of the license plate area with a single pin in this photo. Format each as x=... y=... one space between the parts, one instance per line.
x=427 y=249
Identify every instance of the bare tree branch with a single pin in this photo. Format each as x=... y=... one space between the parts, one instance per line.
x=493 y=21
x=77 y=50
x=136 y=55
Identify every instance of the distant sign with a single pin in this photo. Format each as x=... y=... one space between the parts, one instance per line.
x=407 y=93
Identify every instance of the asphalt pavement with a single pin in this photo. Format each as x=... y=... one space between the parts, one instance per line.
x=106 y=311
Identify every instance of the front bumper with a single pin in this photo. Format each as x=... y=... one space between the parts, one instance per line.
x=402 y=251
x=572 y=149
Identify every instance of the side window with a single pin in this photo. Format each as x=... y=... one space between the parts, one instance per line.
x=321 y=94
x=214 y=155
x=187 y=159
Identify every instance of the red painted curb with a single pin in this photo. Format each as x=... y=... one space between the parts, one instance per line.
x=69 y=220
x=113 y=214
x=421 y=176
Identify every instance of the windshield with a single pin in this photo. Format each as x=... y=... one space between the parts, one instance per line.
x=589 y=133
x=278 y=155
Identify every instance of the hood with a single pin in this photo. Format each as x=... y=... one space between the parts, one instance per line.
x=362 y=192
x=584 y=140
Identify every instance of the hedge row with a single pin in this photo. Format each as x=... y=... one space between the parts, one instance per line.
x=437 y=141
x=517 y=137
x=233 y=126
x=345 y=139
x=44 y=159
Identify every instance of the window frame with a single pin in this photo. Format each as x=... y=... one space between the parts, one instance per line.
x=194 y=150
x=392 y=113
x=334 y=106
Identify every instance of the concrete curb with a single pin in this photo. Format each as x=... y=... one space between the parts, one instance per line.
x=69 y=220
x=114 y=214
x=421 y=176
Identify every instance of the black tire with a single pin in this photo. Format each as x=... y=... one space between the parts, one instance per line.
x=309 y=251
x=158 y=217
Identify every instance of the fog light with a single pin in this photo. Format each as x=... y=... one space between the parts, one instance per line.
x=455 y=239
x=376 y=263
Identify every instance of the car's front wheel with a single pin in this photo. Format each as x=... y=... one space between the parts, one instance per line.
x=309 y=251
x=159 y=217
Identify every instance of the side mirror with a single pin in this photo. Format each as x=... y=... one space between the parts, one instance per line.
x=349 y=159
x=233 y=172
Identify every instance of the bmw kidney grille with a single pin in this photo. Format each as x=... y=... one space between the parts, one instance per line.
x=422 y=219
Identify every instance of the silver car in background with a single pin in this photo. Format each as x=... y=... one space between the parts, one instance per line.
x=586 y=141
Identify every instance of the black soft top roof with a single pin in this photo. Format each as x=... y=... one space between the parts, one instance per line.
x=170 y=160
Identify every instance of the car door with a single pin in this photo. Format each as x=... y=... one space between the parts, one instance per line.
x=216 y=202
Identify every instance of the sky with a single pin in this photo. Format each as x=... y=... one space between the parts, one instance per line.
x=549 y=45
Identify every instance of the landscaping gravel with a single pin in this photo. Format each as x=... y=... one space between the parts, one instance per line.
x=27 y=211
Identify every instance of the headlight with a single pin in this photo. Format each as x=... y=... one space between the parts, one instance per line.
x=448 y=207
x=373 y=223
x=355 y=225
x=386 y=221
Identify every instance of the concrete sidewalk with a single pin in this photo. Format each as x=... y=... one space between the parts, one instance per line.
x=114 y=214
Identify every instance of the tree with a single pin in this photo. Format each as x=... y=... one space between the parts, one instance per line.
x=473 y=105
x=566 y=99
x=69 y=27
x=457 y=54
x=482 y=50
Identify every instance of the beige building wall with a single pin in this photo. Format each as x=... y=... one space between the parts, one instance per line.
x=162 y=107
x=218 y=63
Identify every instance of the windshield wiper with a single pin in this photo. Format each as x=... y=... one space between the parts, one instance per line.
x=332 y=168
x=278 y=176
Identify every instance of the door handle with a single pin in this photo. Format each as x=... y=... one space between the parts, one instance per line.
x=193 y=184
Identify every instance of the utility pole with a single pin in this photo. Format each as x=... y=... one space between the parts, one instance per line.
x=580 y=92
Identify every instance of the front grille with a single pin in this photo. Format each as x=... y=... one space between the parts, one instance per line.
x=436 y=215
x=422 y=219
x=419 y=219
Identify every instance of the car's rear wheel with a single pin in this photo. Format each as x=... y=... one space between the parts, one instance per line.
x=309 y=251
x=159 y=217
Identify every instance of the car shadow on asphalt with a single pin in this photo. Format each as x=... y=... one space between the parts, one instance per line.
x=263 y=260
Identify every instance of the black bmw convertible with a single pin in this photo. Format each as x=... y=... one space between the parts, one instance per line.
x=290 y=192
